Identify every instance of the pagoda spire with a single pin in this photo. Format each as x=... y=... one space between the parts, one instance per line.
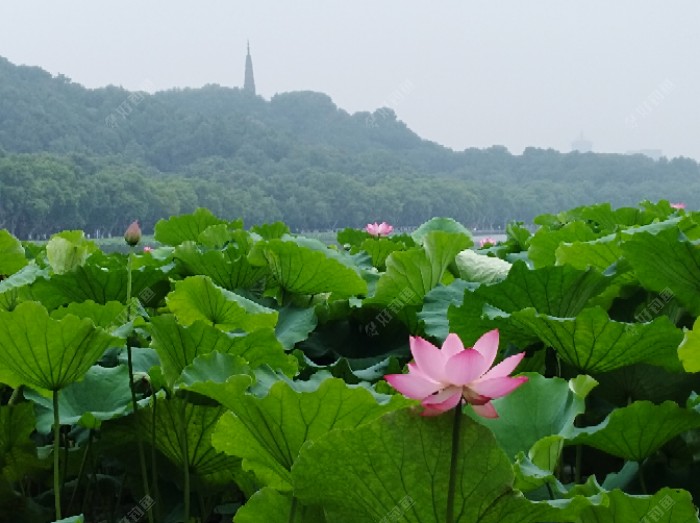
x=249 y=82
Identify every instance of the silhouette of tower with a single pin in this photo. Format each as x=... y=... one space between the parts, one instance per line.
x=249 y=82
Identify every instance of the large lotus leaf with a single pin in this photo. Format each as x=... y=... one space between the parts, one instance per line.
x=17 y=450
x=303 y=268
x=544 y=243
x=186 y=227
x=108 y=316
x=558 y=291
x=666 y=506
x=411 y=274
x=592 y=342
x=25 y=276
x=229 y=268
x=397 y=467
x=269 y=506
x=637 y=431
x=103 y=394
x=436 y=304
x=663 y=262
x=294 y=325
x=68 y=250
x=197 y=298
x=183 y=434
x=539 y=408
x=101 y=279
x=45 y=353
x=218 y=235
x=178 y=345
x=379 y=250
x=270 y=231
x=599 y=254
x=447 y=225
x=689 y=351
x=476 y=267
x=268 y=432
x=12 y=256
x=475 y=316
x=602 y=217
x=213 y=367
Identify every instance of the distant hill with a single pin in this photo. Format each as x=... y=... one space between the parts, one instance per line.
x=75 y=157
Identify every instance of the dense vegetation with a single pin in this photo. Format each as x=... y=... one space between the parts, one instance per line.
x=95 y=159
x=235 y=372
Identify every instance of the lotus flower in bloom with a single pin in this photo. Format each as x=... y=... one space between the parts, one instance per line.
x=444 y=378
x=379 y=229
x=679 y=205
x=147 y=248
x=487 y=240
x=132 y=236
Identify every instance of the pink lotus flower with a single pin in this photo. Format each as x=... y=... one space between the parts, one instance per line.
x=147 y=248
x=379 y=229
x=679 y=205
x=444 y=378
x=488 y=240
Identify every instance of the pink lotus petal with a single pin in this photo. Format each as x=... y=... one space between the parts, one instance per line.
x=465 y=367
x=504 y=368
x=452 y=346
x=679 y=205
x=412 y=386
x=486 y=410
x=443 y=400
x=428 y=359
x=487 y=345
x=497 y=387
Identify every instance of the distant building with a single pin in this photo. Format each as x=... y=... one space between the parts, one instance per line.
x=582 y=145
x=249 y=82
x=654 y=154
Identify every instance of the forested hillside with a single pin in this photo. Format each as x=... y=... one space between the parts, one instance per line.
x=72 y=157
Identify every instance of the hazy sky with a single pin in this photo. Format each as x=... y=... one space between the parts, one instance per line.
x=463 y=73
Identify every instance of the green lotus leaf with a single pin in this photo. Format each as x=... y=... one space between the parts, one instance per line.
x=186 y=227
x=541 y=407
x=269 y=506
x=411 y=274
x=45 y=353
x=178 y=346
x=637 y=431
x=268 y=432
x=183 y=432
x=447 y=225
x=397 y=466
x=12 y=257
x=307 y=267
x=592 y=342
x=270 y=231
x=68 y=250
x=666 y=506
x=475 y=267
x=558 y=291
x=229 y=268
x=544 y=243
x=689 y=350
x=101 y=279
x=295 y=325
x=197 y=298
x=379 y=250
x=666 y=263
x=17 y=450
x=103 y=394
x=108 y=316
x=436 y=304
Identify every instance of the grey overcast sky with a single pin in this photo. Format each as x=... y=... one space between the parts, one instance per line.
x=464 y=73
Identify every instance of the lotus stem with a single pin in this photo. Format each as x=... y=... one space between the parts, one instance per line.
x=56 y=459
x=132 y=385
x=293 y=510
x=579 y=463
x=81 y=472
x=15 y=395
x=642 y=481
x=450 y=516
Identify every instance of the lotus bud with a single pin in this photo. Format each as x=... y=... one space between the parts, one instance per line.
x=132 y=236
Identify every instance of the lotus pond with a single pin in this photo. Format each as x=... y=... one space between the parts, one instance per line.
x=247 y=374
